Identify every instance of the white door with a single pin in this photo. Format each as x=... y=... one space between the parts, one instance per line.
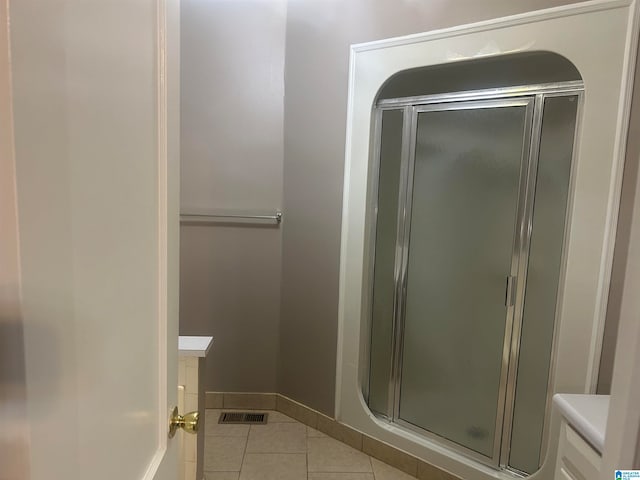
x=95 y=133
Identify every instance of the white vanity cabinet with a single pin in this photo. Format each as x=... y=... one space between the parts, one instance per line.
x=577 y=459
x=191 y=376
x=584 y=419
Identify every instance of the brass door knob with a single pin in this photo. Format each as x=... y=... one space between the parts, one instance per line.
x=188 y=422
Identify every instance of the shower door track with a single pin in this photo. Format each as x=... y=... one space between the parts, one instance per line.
x=532 y=97
x=566 y=88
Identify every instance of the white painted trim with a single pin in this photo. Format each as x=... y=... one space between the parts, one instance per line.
x=343 y=240
x=631 y=51
x=164 y=410
x=496 y=23
x=163 y=464
x=622 y=438
x=162 y=211
x=169 y=121
x=155 y=463
x=600 y=37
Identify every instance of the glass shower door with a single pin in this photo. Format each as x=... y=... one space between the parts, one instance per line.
x=461 y=221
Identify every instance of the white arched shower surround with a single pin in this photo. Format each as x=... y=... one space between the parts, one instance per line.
x=600 y=38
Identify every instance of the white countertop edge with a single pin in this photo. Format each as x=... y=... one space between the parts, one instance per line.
x=587 y=414
x=189 y=346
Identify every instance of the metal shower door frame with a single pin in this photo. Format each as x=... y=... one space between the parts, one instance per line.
x=526 y=102
x=532 y=98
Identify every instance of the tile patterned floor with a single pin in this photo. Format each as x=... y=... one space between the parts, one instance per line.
x=284 y=449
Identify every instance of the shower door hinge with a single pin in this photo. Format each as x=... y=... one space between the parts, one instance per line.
x=510 y=293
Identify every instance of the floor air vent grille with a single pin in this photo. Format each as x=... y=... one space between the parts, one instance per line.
x=243 y=417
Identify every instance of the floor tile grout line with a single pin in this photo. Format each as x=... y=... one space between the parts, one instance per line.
x=276 y=453
x=373 y=473
x=244 y=453
x=307 y=455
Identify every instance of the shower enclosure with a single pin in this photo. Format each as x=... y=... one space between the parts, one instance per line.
x=471 y=192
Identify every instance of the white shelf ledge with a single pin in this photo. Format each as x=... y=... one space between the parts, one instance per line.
x=587 y=414
x=194 y=346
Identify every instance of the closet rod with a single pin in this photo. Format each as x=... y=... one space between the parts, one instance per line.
x=221 y=217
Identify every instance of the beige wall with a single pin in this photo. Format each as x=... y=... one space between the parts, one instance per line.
x=232 y=120
x=233 y=57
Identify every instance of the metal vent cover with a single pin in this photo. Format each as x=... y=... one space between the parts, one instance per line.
x=251 y=418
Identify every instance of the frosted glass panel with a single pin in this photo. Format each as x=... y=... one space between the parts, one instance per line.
x=463 y=218
x=385 y=248
x=545 y=256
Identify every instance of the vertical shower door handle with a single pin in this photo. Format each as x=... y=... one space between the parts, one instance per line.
x=510 y=291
